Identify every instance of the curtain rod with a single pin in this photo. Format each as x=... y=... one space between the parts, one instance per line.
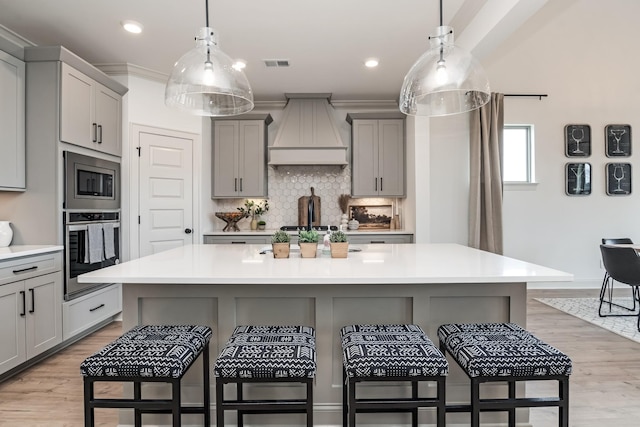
x=536 y=95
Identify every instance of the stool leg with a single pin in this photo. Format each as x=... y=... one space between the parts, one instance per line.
x=442 y=402
x=512 y=411
x=206 y=379
x=310 y=402
x=240 y=413
x=352 y=402
x=563 y=409
x=219 y=400
x=475 y=403
x=344 y=398
x=89 y=420
x=137 y=395
x=414 y=411
x=176 y=403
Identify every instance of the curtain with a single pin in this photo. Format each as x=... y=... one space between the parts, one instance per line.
x=485 y=193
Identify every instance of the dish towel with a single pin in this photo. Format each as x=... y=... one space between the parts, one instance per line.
x=109 y=240
x=95 y=243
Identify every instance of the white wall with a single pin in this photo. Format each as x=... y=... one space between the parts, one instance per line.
x=583 y=54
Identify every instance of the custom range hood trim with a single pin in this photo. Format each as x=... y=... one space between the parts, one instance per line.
x=308 y=134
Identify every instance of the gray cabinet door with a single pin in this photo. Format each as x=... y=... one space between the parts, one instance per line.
x=378 y=158
x=12 y=326
x=90 y=113
x=44 y=313
x=239 y=162
x=12 y=123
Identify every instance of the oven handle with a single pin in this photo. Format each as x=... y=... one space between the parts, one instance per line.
x=83 y=227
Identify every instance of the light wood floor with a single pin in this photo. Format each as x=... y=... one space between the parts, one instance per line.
x=605 y=385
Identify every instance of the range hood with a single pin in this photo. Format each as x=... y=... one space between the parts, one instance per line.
x=308 y=134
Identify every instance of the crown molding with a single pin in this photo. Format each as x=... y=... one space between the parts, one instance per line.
x=126 y=69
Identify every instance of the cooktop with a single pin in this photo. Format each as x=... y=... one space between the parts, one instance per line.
x=316 y=227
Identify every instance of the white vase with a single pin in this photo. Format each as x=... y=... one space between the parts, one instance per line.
x=6 y=234
x=344 y=221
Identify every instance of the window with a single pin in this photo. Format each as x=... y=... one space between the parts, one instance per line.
x=517 y=163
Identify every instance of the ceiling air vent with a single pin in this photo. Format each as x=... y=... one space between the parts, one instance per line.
x=278 y=63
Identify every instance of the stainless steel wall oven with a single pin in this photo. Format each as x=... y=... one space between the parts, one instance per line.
x=91 y=242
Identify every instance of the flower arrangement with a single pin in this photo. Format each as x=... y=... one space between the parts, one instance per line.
x=253 y=209
x=343 y=202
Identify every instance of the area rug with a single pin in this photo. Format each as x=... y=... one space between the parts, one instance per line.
x=587 y=309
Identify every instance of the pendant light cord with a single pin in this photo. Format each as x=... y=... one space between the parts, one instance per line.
x=206 y=8
x=440 y=13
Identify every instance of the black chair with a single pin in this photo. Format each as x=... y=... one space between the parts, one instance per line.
x=622 y=265
x=607 y=285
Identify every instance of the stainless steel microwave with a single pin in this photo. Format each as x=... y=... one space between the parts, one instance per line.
x=90 y=182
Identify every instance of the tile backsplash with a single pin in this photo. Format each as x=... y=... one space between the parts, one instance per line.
x=288 y=183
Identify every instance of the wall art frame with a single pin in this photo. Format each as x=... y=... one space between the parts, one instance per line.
x=618 y=140
x=372 y=217
x=577 y=179
x=577 y=140
x=618 y=179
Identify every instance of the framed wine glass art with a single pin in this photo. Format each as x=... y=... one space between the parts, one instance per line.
x=577 y=140
x=578 y=179
x=618 y=140
x=618 y=179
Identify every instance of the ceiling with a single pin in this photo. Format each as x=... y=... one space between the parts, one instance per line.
x=326 y=42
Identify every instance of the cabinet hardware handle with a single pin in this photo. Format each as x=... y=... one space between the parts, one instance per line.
x=377 y=241
x=95 y=132
x=99 y=134
x=376 y=187
x=24 y=304
x=380 y=183
x=35 y=267
x=235 y=184
x=240 y=184
x=238 y=243
x=33 y=301
x=96 y=308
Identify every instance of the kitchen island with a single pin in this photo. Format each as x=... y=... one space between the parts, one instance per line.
x=227 y=285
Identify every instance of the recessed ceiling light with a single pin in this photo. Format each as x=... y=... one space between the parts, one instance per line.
x=132 y=26
x=240 y=64
x=371 y=63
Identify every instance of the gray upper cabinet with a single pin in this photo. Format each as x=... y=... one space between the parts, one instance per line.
x=239 y=157
x=12 y=123
x=90 y=113
x=378 y=156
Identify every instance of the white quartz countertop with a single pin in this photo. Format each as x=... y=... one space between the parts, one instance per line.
x=269 y=232
x=17 y=251
x=374 y=264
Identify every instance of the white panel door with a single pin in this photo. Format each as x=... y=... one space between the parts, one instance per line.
x=166 y=190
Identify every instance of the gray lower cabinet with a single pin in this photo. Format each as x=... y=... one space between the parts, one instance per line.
x=12 y=123
x=239 y=162
x=30 y=308
x=378 y=156
x=238 y=239
x=380 y=238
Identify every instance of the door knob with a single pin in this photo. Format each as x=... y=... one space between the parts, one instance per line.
x=187 y=230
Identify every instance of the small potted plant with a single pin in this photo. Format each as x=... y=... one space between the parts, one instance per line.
x=262 y=224
x=339 y=244
x=280 y=243
x=308 y=241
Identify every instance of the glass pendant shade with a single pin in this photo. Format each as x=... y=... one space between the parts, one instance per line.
x=204 y=81
x=445 y=80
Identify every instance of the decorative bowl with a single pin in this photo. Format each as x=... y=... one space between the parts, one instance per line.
x=231 y=218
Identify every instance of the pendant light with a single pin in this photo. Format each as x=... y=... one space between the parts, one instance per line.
x=445 y=80
x=204 y=81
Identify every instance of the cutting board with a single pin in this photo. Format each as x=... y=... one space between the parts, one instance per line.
x=303 y=206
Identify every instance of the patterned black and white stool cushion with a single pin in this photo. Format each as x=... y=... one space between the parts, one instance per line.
x=390 y=351
x=268 y=352
x=163 y=351
x=502 y=349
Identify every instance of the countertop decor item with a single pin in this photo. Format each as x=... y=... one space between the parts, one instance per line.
x=231 y=218
x=343 y=202
x=445 y=80
x=308 y=241
x=6 y=234
x=205 y=82
x=371 y=217
x=339 y=244
x=254 y=210
x=280 y=243
x=309 y=207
